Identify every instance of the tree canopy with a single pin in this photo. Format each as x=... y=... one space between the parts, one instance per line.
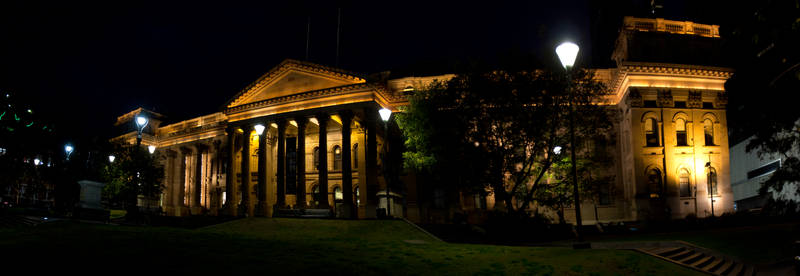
x=500 y=132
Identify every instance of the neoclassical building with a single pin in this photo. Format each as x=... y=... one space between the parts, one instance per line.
x=308 y=137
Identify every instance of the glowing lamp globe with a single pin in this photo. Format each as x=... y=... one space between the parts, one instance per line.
x=141 y=121
x=68 y=149
x=385 y=114
x=111 y=158
x=151 y=149
x=567 y=52
x=259 y=129
x=37 y=161
x=557 y=150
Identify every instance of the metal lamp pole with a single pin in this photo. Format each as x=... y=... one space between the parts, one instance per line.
x=567 y=52
x=385 y=116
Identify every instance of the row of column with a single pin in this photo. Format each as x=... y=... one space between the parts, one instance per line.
x=347 y=180
x=176 y=180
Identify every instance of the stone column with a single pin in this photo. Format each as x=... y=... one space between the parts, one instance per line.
x=371 y=185
x=323 y=160
x=281 y=179
x=261 y=208
x=230 y=177
x=301 y=161
x=244 y=209
x=347 y=175
x=183 y=153
x=169 y=184
x=198 y=179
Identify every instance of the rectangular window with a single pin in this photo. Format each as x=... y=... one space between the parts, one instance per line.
x=680 y=104
x=766 y=169
x=708 y=105
x=650 y=104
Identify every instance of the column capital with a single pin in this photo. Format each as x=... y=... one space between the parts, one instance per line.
x=301 y=121
x=346 y=114
x=185 y=150
x=170 y=153
x=200 y=146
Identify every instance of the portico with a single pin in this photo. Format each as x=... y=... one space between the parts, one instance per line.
x=317 y=148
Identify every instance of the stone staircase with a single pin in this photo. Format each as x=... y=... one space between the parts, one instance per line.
x=17 y=221
x=303 y=213
x=700 y=259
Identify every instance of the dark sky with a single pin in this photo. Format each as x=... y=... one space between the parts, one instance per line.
x=86 y=64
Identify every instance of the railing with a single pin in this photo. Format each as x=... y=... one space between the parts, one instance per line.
x=670 y=26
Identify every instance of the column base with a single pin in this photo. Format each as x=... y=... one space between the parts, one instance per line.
x=345 y=211
x=196 y=210
x=261 y=209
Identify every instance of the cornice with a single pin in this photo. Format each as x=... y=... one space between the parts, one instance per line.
x=335 y=91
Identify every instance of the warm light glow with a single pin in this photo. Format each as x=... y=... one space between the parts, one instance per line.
x=274 y=125
x=141 y=121
x=292 y=122
x=314 y=121
x=567 y=52
x=259 y=129
x=385 y=114
x=111 y=158
x=151 y=149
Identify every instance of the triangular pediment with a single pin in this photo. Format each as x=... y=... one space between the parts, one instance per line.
x=293 y=77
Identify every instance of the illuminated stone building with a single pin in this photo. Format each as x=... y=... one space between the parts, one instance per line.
x=313 y=128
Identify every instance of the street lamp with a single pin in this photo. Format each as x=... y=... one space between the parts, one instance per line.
x=111 y=158
x=151 y=149
x=36 y=161
x=567 y=52
x=259 y=129
x=68 y=149
x=385 y=115
x=557 y=150
x=141 y=122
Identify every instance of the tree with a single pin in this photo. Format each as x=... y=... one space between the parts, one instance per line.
x=134 y=172
x=497 y=131
x=762 y=89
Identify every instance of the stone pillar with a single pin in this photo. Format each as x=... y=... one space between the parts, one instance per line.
x=347 y=174
x=230 y=177
x=323 y=160
x=244 y=208
x=182 y=202
x=198 y=179
x=281 y=179
x=301 y=161
x=261 y=208
x=371 y=185
x=169 y=184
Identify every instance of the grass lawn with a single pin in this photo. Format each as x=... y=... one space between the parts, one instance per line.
x=299 y=247
x=755 y=244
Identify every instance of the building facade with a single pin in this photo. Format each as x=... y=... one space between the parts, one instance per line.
x=306 y=136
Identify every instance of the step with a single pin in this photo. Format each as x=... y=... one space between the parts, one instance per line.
x=713 y=265
x=659 y=251
x=734 y=270
x=673 y=253
x=703 y=261
x=691 y=258
x=682 y=255
x=725 y=266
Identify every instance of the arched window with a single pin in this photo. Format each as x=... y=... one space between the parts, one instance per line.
x=337 y=158
x=684 y=184
x=355 y=156
x=316 y=158
x=680 y=132
x=654 y=183
x=712 y=181
x=651 y=132
x=708 y=130
x=337 y=193
x=356 y=195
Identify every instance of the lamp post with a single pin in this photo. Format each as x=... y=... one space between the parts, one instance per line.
x=385 y=115
x=141 y=122
x=567 y=52
x=68 y=149
x=151 y=149
x=111 y=158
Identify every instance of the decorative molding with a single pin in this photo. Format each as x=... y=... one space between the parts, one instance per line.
x=695 y=99
x=665 y=98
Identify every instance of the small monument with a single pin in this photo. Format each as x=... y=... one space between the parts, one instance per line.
x=89 y=206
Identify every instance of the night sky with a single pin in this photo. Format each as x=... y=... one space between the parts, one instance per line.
x=85 y=64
